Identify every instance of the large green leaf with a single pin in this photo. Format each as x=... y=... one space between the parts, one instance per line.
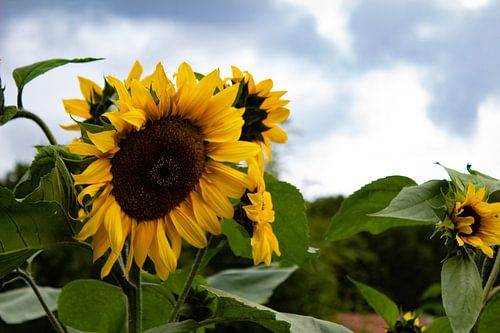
x=230 y=307
x=417 y=202
x=379 y=302
x=290 y=225
x=238 y=238
x=462 y=180
x=20 y=305
x=92 y=306
x=253 y=283
x=354 y=215
x=490 y=317
x=462 y=292
x=30 y=225
x=439 y=325
x=12 y=260
x=23 y=75
x=157 y=303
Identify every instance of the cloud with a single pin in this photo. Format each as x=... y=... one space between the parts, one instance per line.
x=392 y=134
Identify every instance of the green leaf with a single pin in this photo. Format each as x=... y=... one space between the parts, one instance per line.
x=7 y=114
x=488 y=321
x=354 y=215
x=92 y=306
x=462 y=180
x=20 y=305
x=175 y=281
x=12 y=260
x=238 y=238
x=254 y=283
x=439 y=325
x=230 y=307
x=290 y=225
x=31 y=225
x=157 y=302
x=462 y=292
x=417 y=202
x=379 y=302
x=23 y=75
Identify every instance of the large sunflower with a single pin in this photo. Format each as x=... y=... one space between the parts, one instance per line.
x=264 y=110
x=477 y=222
x=160 y=176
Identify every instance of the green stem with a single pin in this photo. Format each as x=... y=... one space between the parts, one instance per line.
x=174 y=316
x=39 y=121
x=492 y=278
x=53 y=320
x=134 y=300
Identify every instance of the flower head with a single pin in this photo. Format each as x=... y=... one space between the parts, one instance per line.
x=259 y=211
x=477 y=222
x=264 y=110
x=408 y=324
x=160 y=173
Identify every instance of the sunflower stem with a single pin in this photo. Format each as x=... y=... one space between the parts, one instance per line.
x=39 y=122
x=492 y=278
x=174 y=316
x=29 y=280
x=134 y=300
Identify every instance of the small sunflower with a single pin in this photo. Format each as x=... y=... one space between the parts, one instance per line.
x=408 y=324
x=476 y=221
x=264 y=110
x=96 y=100
x=260 y=212
x=160 y=175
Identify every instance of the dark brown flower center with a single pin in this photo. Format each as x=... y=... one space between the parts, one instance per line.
x=468 y=211
x=156 y=168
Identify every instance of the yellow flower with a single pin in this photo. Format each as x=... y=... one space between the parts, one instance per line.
x=264 y=110
x=92 y=93
x=160 y=174
x=260 y=212
x=476 y=221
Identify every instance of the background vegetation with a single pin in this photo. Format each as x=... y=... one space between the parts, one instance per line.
x=403 y=263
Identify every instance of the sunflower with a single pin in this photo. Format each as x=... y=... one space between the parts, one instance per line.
x=476 y=221
x=409 y=323
x=264 y=110
x=259 y=211
x=95 y=100
x=160 y=174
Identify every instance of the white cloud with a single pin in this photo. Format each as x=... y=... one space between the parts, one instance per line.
x=392 y=134
x=331 y=17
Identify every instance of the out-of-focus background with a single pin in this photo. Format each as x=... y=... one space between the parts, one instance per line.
x=376 y=88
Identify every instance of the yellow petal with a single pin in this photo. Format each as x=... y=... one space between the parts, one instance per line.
x=219 y=105
x=133 y=228
x=81 y=148
x=142 y=99
x=113 y=225
x=183 y=220
x=234 y=152
x=161 y=253
x=230 y=181
x=264 y=86
x=226 y=130
x=90 y=190
x=97 y=172
x=135 y=73
x=276 y=134
x=93 y=224
x=142 y=241
x=173 y=236
x=89 y=89
x=109 y=264
x=77 y=108
x=100 y=243
x=215 y=199
x=104 y=141
x=72 y=127
x=205 y=216
x=276 y=116
x=121 y=90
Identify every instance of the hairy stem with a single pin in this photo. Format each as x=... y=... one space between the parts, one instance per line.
x=134 y=300
x=492 y=278
x=39 y=121
x=174 y=316
x=29 y=280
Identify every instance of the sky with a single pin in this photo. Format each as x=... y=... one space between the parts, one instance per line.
x=376 y=87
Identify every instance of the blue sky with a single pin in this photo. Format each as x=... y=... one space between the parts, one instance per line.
x=376 y=87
